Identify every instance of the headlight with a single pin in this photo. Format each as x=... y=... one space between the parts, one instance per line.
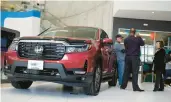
x=79 y=48
x=14 y=46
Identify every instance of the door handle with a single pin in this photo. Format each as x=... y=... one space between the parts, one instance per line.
x=108 y=51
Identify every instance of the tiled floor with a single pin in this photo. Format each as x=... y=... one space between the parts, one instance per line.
x=52 y=92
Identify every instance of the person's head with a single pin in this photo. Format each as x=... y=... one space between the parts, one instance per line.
x=159 y=44
x=119 y=38
x=132 y=31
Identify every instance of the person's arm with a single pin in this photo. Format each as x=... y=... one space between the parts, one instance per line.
x=160 y=57
x=163 y=55
x=141 y=41
x=118 y=48
x=125 y=43
x=123 y=50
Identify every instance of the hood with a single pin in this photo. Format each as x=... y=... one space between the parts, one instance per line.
x=66 y=39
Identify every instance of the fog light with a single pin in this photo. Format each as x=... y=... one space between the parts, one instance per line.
x=6 y=67
x=52 y=73
x=79 y=72
x=57 y=74
x=82 y=78
x=25 y=71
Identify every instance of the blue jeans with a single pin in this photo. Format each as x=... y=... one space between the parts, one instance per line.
x=121 y=67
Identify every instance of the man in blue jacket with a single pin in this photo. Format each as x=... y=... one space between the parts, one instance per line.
x=120 y=52
x=132 y=60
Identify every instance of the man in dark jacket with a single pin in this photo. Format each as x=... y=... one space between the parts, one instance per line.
x=132 y=60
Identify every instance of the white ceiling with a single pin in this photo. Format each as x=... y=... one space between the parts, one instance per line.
x=126 y=9
x=143 y=10
x=140 y=14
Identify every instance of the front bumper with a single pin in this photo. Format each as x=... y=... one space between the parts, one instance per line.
x=69 y=61
x=64 y=76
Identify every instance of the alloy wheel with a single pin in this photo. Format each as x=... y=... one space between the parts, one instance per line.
x=97 y=79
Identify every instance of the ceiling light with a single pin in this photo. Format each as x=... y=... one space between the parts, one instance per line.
x=145 y=24
x=152 y=12
x=123 y=33
x=144 y=39
x=144 y=34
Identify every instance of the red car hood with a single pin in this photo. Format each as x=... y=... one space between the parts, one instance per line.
x=68 y=39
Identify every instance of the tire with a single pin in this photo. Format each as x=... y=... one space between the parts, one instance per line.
x=113 y=82
x=21 y=84
x=94 y=88
x=65 y=87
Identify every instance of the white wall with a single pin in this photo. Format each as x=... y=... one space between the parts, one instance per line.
x=100 y=13
x=29 y=26
x=86 y=13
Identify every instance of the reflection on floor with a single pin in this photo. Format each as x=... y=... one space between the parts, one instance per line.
x=52 y=92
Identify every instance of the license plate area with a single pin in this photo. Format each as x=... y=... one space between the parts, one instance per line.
x=35 y=65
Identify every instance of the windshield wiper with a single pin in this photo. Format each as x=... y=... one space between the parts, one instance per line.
x=44 y=31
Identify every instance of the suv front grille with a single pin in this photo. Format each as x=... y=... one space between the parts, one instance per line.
x=50 y=50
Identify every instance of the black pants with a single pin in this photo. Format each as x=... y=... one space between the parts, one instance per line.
x=132 y=64
x=159 y=84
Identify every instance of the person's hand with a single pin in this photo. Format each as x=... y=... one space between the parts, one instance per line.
x=123 y=50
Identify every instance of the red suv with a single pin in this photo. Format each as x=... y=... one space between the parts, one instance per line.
x=73 y=56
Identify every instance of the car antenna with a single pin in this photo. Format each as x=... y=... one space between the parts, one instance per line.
x=44 y=31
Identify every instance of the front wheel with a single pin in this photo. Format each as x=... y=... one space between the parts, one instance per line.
x=21 y=84
x=94 y=88
x=113 y=82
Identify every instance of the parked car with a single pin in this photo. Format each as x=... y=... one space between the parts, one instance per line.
x=73 y=56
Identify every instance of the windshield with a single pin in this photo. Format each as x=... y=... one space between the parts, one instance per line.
x=76 y=32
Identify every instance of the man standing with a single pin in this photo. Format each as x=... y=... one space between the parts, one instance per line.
x=120 y=52
x=132 y=60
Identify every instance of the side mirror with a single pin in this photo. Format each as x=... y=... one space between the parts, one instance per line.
x=107 y=41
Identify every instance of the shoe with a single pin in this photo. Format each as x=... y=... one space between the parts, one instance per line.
x=161 y=90
x=139 y=90
x=122 y=88
x=155 y=90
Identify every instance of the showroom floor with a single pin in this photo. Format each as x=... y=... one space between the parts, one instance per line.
x=51 y=92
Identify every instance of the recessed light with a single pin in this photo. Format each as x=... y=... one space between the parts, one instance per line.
x=145 y=24
x=152 y=12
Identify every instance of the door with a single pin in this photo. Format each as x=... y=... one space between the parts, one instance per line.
x=105 y=49
x=7 y=36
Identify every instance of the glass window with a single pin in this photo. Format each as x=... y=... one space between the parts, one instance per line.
x=103 y=35
x=76 y=32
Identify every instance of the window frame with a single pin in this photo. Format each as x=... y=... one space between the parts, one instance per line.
x=105 y=35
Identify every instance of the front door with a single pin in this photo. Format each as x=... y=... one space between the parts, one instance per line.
x=105 y=53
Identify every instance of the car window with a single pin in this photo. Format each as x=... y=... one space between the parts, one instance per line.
x=103 y=35
x=77 y=32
